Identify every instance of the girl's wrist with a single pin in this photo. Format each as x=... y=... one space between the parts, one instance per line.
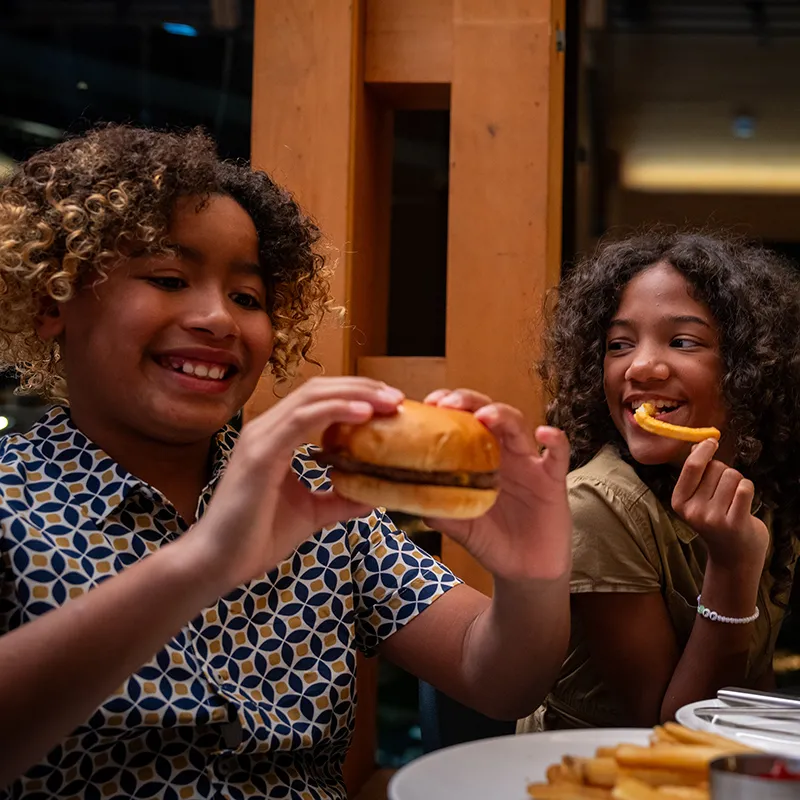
x=731 y=589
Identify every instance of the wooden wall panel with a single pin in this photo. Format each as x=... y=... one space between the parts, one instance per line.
x=303 y=118
x=505 y=214
x=417 y=377
x=409 y=41
x=316 y=132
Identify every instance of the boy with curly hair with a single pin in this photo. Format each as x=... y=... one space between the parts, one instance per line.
x=180 y=608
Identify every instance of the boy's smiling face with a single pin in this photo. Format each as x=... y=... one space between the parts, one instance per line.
x=170 y=347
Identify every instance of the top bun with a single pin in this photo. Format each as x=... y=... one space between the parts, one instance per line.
x=419 y=437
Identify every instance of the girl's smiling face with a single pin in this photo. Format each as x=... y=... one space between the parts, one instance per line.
x=662 y=345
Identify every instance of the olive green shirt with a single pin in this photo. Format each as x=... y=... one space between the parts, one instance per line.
x=625 y=540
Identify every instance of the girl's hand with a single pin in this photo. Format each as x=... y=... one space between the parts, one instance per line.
x=716 y=501
x=261 y=512
x=528 y=532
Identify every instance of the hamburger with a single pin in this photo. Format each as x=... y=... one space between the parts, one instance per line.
x=423 y=460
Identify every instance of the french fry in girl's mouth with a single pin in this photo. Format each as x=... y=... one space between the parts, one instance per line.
x=645 y=417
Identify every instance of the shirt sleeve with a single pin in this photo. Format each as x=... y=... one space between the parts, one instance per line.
x=394 y=580
x=614 y=548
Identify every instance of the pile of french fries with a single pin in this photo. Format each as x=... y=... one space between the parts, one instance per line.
x=673 y=767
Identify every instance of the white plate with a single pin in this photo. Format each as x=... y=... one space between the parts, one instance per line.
x=500 y=768
x=771 y=739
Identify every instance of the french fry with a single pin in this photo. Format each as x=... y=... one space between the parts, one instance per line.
x=572 y=768
x=665 y=777
x=662 y=735
x=669 y=756
x=606 y=752
x=631 y=789
x=555 y=774
x=601 y=772
x=689 y=736
x=683 y=793
x=566 y=791
x=645 y=417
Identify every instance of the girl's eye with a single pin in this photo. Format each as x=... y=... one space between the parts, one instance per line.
x=617 y=345
x=248 y=301
x=169 y=283
x=682 y=343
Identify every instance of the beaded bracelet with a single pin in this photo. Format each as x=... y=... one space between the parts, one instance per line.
x=706 y=612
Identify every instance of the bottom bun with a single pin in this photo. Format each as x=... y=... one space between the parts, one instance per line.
x=424 y=500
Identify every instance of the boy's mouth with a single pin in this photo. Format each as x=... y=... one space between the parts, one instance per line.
x=204 y=370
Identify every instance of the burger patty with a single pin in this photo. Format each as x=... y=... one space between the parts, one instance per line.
x=467 y=480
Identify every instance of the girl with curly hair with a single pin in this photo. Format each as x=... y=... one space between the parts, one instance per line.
x=708 y=329
x=181 y=606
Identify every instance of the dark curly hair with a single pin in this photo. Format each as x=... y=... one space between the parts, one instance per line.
x=755 y=299
x=67 y=215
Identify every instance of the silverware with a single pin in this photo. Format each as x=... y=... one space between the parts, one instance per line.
x=748 y=711
x=750 y=718
x=733 y=696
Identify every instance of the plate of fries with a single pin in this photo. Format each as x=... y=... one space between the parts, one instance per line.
x=668 y=763
x=673 y=765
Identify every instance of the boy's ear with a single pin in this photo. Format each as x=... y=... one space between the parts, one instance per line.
x=49 y=323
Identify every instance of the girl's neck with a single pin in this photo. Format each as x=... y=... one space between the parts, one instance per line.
x=180 y=471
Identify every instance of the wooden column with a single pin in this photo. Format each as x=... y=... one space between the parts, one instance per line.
x=327 y=76
x=505 y=202
x=319 y=132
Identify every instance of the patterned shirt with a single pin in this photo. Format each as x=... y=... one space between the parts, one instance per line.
x=253 y=698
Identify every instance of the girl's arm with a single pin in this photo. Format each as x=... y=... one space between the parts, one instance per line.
x=630 y=636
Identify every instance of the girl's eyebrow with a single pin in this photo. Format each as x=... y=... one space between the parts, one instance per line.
x=621 y=323
x=690 y=318
x=682 y=318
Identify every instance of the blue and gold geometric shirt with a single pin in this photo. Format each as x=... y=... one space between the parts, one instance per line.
x=253 y=698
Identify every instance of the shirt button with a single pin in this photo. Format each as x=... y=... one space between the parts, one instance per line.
x=225 y=766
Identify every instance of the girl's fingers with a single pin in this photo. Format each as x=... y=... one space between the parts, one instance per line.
x=692 y=473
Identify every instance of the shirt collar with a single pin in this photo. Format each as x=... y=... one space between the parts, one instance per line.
x=97 y=483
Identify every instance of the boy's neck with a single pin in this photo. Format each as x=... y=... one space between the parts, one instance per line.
x=179 y=471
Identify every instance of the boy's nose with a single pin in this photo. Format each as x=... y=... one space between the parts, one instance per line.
x=210 y=313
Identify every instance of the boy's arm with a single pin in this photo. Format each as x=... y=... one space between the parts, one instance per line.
x=56 y=670
x=498 y=656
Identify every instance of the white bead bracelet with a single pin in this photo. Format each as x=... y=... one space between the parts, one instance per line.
x=713 y=616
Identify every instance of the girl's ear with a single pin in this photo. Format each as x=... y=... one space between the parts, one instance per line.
x=49 y=323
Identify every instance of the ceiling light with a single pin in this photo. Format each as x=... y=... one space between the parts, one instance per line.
x=179 y=29
x=704 y=175
x=744 y=126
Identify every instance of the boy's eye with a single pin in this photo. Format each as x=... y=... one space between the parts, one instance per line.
x=681 y=342
x=247 y=300
x=618 y=345
x=170 y=283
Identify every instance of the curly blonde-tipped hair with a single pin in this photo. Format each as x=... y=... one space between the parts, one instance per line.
x=67 y=214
